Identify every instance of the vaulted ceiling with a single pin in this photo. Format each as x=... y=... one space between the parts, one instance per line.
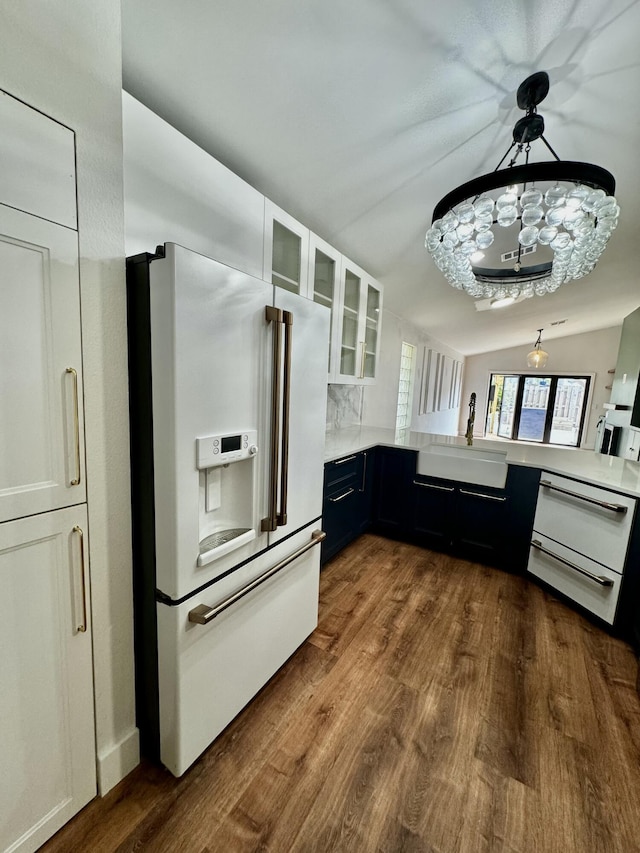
x=357 y=116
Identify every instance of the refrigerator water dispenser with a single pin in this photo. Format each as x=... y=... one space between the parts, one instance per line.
x=227 y=489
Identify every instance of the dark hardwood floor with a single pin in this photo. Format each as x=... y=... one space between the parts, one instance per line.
x=440 y=706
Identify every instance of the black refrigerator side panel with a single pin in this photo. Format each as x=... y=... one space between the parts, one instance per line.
x=142 y=504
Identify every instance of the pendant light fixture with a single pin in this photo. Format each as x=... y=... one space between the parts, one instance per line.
x=528 y=228
x=537 y=357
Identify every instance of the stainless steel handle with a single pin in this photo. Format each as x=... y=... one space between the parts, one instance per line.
x=274 y=315
x=202 y=614
x=363 y=345
x=287 y=319
x=342 y=496
x=599 y=579
x=82 y=627
x=75 y=481
x=433 y=486
x=484 y=496
x=364 y=472
x=547 y=484
x=346 y=459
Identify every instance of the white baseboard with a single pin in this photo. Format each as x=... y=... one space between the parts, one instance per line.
x=117 y=761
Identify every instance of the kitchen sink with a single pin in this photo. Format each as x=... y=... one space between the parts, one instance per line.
x=466 y=464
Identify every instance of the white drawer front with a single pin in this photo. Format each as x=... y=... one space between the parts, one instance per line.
x=590 y=592
x=574 y=519
x=208 y=673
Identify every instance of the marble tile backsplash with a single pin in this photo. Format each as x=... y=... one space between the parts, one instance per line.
x=344 y=406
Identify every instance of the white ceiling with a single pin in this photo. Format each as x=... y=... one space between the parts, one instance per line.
x=357 y=116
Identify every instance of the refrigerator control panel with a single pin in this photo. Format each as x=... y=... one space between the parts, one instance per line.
x=221 y=449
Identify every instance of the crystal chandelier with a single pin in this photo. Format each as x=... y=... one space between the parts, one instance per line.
x=526 y=229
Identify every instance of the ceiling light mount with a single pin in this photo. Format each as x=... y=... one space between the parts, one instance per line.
x=565 y=208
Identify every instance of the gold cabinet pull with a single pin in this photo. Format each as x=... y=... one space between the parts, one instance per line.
x=75 y=481
x=202 y=614
x=274 y=315
x=287 y=319
x=82 y=627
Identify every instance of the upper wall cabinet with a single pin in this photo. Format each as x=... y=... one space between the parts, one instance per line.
x=286 y=251
x=41 y=422
x=38 y=163
x=175 y=192
x=357 y=339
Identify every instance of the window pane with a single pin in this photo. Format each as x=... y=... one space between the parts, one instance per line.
x=507 y=406
x=534 y=408
x=567 y=411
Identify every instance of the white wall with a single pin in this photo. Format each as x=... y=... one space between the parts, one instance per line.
x=591 y=352
x=380 y=400
x=64 y=58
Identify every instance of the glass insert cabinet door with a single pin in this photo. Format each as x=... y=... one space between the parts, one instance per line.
x=324 y=270
x=350 y=321
x=286 y=251
x=360 y=306
x=372 y=321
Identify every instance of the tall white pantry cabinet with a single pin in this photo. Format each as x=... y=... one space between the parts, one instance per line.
x=47 y=740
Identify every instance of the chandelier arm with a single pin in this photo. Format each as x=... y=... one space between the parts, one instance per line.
x=550 y=148
x=524 y=187
x=505 y=156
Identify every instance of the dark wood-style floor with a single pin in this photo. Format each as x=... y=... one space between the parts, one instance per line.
x=439 y=706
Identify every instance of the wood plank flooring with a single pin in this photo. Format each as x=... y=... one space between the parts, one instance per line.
x=440 y=707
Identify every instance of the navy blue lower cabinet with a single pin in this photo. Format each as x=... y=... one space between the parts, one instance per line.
x=348 y=491
x=393 y=496
x=479 y=523
x=433 y=512
x=380 y=489
x=521 y=489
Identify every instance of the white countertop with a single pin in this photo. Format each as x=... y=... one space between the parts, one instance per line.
x=612 y=472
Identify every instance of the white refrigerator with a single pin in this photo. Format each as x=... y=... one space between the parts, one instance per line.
x=228 y=382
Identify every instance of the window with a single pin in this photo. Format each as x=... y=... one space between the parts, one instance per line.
x=405 y=389
x=544 y=409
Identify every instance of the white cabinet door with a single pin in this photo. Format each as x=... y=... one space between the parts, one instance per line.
x=286 y=251
x=38 y=163
x=325 y=264
x=307 y=412
x=46 y=701
x=174 y=192
x=41 y=423
x=359 y=315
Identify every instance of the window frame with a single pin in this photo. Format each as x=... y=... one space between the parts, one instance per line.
x=517 y=412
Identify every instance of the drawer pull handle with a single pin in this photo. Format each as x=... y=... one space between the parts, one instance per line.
x=599 y=579
x=499 y=498
x=82 y=627
x=342 y=496
x=342 y=461
x=604 y=504
x=433 y=486
x=75 y=481
x=202 y=614
x=364 y=472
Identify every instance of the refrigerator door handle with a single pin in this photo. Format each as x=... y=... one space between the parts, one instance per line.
x=202 y=614
x=287 y=319
x=275 y=316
